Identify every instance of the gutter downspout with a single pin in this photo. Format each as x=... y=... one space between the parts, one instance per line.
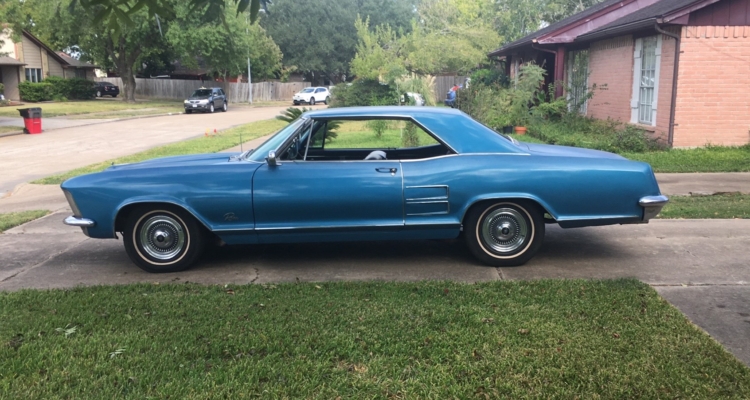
x=673 y=105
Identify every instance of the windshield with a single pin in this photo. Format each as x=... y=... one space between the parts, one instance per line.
x=308 y=90
x=275 y=141
x=201 y=93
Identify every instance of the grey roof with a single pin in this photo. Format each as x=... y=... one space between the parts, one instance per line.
x=644 y=15
x=10 y=61
x=557 y=25
x=75 y=63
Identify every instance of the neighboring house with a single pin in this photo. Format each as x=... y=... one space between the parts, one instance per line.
x=632 y=49
x=31 y=60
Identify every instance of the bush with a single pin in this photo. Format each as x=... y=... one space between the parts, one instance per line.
x=609 y=135
x=363 y=92
x=59 y=89
x=35 y=92
x=2 y=88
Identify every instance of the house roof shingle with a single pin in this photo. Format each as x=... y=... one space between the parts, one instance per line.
x=557 y=25
x=10 y=61
x=75 y=63
x=646 y=15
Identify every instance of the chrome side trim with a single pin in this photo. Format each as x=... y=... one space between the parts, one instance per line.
x=294 y=228
x=652 y=205
x=82 y=222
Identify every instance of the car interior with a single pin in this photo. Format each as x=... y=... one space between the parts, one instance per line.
x=362 y=140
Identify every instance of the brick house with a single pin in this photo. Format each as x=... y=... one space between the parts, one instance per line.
x=632 y=50
x=32 y=60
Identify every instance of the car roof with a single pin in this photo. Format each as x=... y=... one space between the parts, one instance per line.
x=456 y=128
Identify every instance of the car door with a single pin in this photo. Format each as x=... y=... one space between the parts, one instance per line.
x=218 y=98
x=319 y=94
x=300 y=200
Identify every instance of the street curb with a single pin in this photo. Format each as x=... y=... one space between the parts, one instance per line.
x=12 y=133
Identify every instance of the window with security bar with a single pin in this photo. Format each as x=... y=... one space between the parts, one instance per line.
x=578 y=80
x=647 y=81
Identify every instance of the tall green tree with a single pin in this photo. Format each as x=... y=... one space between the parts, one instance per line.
x=224 y=47
x=319 y=38
x=63 y=26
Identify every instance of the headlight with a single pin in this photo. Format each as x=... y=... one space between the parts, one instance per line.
x=72 y=204
x=204 y=101
x=187 y=101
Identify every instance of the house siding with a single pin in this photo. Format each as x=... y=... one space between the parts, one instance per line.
x=55 y=69
x=713 y=106
x=611 y=69
x=32 y=54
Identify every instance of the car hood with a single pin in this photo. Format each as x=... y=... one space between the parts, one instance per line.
x=566 y=151
x=177 y=161
x=198 y=97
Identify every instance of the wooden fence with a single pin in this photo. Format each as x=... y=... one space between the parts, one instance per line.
x=237 y=92
x=444 y=83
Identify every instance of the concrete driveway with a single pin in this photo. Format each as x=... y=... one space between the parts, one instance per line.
x=24 y=158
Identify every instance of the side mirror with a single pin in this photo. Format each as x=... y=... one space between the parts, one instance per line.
x=272 y=159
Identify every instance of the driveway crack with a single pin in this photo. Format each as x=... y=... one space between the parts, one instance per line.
x=257 y=275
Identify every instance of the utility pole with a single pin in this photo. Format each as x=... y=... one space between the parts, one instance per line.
x=249 y=82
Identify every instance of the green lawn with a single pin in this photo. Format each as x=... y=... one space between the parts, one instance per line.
x=357 y=134
x=5 y=129
x=9 y=220
x=732 y=205
x=439 y=340
x=103 y=108
x=221 y=141
x=704 y=159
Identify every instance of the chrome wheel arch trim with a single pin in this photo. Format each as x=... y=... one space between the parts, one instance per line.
x=156 y=203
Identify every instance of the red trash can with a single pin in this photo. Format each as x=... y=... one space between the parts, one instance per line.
x=32 y=119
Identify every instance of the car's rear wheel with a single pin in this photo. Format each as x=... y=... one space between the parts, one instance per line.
x=114 y=95
x=328 y=99
x=162 y=238
x=505 y=233
x=211 y=108
x=98 y=93
x=224 y=107
x=312 y=101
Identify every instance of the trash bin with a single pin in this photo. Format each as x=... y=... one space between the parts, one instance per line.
x=32 y=119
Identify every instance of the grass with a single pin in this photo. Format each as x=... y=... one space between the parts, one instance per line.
x=221 y=141
x=704 y=159
x=103 y=107
x=539 y=339
x=358 y=135
x=5 y=129
x=729 y=205
x=10 y=220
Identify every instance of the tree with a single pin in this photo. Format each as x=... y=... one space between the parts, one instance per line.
x=224 y=47
x=319 y=38
x=102 y=44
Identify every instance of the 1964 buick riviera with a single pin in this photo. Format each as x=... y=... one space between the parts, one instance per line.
x=364 y=173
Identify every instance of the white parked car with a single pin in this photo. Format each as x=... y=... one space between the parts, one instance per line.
x=312 y=95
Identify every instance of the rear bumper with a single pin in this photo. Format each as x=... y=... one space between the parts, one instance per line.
x=652 y=205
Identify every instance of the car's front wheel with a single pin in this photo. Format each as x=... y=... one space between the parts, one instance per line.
x=504 y=233
x=188 y=111
x=211 y=108
x=98 y=93
x=162 y=238
x=312 y=101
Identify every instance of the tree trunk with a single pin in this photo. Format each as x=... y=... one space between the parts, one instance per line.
x=128 y=83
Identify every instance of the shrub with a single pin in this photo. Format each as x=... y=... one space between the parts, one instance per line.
x=2 y=88
x=363 y=92
x=378 y=126
x=609 y=135
x=35 y=92
x=59 y=89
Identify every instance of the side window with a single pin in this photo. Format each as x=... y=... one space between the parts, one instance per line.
x=318 y=90
x=221 y=92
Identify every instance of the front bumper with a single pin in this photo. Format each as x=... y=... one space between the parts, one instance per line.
x=76 y=221
x=197 y=106
x=652 y=205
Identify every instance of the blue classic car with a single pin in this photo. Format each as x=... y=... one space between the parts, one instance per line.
x=363 y=173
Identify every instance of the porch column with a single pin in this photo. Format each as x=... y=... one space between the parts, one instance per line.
x=559 y=71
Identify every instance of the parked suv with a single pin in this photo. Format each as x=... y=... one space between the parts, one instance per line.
x=312 y=95
x=206 y=100
x=106 y=89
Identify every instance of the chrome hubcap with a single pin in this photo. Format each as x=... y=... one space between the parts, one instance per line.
x=504 y=230
x=162 y=237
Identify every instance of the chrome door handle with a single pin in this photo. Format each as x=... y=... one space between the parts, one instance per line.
x=387 y=170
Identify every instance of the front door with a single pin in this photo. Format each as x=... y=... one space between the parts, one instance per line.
x=328 y=200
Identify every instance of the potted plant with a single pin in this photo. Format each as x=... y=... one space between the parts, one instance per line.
x=523 y=95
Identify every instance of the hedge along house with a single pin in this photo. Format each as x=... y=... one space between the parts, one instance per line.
x=633 y=49
x=33 y=61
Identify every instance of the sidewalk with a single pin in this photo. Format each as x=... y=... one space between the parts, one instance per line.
x=704 y=183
